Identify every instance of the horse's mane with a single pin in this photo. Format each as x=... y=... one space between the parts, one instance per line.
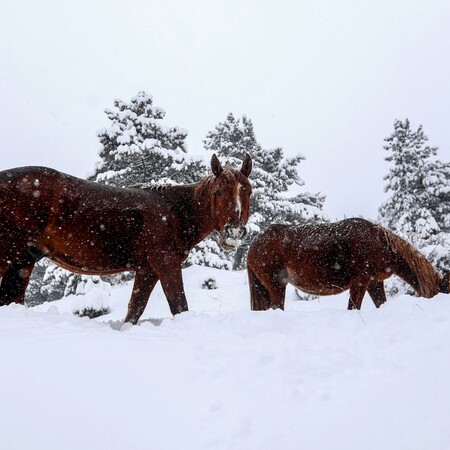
x=427 y=276
x=203 y=187
x=200 y=189
x=153 y=187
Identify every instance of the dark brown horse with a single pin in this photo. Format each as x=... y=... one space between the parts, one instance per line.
x=91 y=228
x=329 y=258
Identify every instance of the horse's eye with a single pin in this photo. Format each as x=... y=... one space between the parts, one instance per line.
x=249 y=193
x=218 y=193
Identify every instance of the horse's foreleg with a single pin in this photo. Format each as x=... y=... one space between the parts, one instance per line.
x=172 y=284
x=15 y=281
x=377 y=293
x=357 y=290
x=144 y=282
x=259 y=295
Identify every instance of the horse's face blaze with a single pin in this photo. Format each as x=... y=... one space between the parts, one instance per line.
x=231 y=203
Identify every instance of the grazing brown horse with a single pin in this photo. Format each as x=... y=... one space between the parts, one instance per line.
x=91 y=228
x=329 y=258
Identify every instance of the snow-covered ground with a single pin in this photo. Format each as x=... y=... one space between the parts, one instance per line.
x=222 y=377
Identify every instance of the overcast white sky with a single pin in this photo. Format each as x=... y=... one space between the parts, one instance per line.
x=323 y=78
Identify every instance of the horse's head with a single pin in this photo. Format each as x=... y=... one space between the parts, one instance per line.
x=230 y=193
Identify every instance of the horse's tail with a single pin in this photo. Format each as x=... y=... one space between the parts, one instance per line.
x=259 y=295
x=429 y=281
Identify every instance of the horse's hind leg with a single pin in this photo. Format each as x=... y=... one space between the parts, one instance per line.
x=357 y=290
x=144 y=282
x=172 y=284
x=15 y=280
x=277 y=292
x=377 y=293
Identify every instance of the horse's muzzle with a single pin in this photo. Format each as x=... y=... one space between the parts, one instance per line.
x=232 y=236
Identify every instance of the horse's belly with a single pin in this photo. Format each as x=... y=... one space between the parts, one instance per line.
x=315 y=283
x=85 y=256
x=87 y=267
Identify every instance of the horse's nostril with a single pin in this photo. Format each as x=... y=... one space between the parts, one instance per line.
x=235 y=232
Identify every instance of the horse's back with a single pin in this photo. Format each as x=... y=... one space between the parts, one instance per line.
x=44 y=187
x=316 y=236
x=313 y=231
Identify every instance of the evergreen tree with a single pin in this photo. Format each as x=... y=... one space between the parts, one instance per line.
x=50 y=282
x=136 y=148
x=209 y=253
x=419 y=206
x=272 y=176
x=39 y=291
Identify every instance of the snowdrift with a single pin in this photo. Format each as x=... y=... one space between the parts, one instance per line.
x=222 y=377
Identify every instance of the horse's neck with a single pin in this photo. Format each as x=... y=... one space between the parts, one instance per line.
x=193 y=211
x=201 y=205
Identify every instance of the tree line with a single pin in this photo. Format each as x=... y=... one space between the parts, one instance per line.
x=137 y=149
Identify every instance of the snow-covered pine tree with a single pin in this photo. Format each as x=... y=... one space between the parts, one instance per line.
x=38 y=290
x=210 y=254
x=272 y=176
x=137 y=148
x=409 y=199
x=50 y=282
x=419 y=205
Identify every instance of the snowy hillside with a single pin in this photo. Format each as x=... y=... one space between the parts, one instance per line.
x=222 y=377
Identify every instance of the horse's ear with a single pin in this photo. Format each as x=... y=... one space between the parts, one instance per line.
x=246 y=168
x=216 y=167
